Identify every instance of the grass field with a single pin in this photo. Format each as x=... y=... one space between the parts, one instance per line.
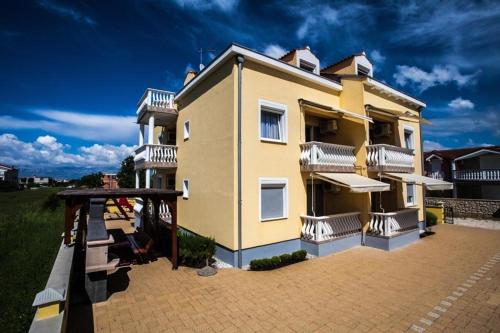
x=29 y=240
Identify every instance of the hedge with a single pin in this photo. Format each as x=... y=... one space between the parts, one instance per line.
x=195 y=250
x=277 y=261
x=430 y=218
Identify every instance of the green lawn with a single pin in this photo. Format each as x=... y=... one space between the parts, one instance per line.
x=29 y=240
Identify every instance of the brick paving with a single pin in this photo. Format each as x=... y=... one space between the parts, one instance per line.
x=360 y=290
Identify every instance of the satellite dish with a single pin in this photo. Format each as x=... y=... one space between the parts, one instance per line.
x=201 y=67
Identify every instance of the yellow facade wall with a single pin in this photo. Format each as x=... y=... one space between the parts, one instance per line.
x=274 y=160
x=207 y=158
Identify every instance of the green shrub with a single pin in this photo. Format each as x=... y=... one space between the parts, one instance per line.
x=52 y=202
x=299 y=255
x=195 y=250
x=430 y=218
x=286 y=259
x=276 y=262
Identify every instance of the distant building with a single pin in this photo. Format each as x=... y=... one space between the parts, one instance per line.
x=8 y=173
x=475 y=172
x=40 y=181
x=109 y=180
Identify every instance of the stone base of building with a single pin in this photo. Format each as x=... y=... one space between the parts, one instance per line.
x=331 y=246
x=392 y=242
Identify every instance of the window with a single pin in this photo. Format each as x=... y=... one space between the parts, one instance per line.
x=409 y=139
x=307 y=65
x=273 y=118
x=410 y=194
x=185 y=188
x=187 y=130
x=362 y=70
x=158 y=182
x=273 y=199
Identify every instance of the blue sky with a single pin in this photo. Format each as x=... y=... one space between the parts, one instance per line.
x=73 y=71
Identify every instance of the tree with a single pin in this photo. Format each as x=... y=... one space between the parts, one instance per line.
x=126 y=175
x=93 y=180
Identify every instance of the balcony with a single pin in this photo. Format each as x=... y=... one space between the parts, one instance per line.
x=155 y=156
x=389 y=224
x=157 y=104
x=481 y=175
x=382 y=157
x=435 y=174
x=324 y=157
x=319 y=229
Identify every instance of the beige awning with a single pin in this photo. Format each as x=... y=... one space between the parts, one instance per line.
x=395 y=114
x=329 y=110
x=430 y=183
x=354 y=182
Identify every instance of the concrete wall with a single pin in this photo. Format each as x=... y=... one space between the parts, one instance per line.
x=270 y=159
x=469 y=207
x=208 y=158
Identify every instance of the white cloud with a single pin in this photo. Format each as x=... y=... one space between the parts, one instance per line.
x=485 y=123
x=314 y=18
x=84 y=126
x=202 y=5
x=377 y=57
x=433 y=145
x=275 y=51
x=459 y=104
x=47 y=152
x=440 y=75
x=66 y=11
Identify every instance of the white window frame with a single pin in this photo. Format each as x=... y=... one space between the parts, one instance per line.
x=187 y=130
x=279 y=108
x=185 y=188
x=274 y=181
x=414 y=201
x=407 y=128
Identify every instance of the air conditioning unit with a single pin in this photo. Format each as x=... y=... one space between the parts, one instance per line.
x=382 y=130
x=328 y=126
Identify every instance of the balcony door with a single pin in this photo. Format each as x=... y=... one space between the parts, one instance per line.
x=313 y=133
x=315 y=199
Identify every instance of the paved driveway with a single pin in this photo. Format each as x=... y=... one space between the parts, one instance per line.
x=447 y=281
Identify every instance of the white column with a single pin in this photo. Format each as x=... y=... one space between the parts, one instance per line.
x=151 y=129
x=453 y=170
x=137 y=180
x=148 y=178
x=141 y=134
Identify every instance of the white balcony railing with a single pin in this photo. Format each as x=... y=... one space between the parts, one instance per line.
x=156 y=98
x=159 y=155
x=477 y=175
x=323 y=228
x=386 y=224
x=320 y=156
x=436 y=175
x=383 y=157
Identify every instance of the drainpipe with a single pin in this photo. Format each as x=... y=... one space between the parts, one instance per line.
x=422 y=169
x=239 y=60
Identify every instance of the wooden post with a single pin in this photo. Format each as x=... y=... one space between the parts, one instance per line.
x=173 y=231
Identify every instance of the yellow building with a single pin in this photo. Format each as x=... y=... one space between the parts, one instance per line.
x=276 y=155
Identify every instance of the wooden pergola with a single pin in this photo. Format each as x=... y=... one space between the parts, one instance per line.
x=76 y=199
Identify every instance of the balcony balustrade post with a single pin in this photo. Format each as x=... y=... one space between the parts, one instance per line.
x=381 y=156
x=387 y=230
x=314 y=154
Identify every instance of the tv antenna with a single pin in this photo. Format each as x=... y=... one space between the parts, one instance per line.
x=201 y=57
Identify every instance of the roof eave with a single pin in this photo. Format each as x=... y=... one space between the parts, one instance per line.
x=234 y=49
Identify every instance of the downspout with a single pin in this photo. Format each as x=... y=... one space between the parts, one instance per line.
x=239 y=60
x=422 y=169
